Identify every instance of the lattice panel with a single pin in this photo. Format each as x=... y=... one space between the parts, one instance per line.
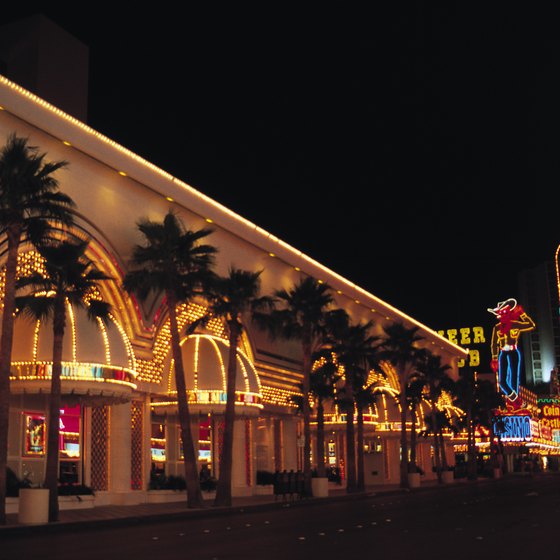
x=136 y=435
x=278 y=445
x=100 y=448
x=248 y=454
x=218 y=442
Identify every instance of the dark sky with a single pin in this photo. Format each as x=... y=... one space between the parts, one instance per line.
x=412 y=149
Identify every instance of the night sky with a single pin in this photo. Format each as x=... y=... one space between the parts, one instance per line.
x=412 y=149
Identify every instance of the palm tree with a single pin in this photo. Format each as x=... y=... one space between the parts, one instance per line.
x=69 y=279
x=173 y=261
x=414 y=397
x=303 y=315
x=356 y=351
x=322 y=386
x=30 y=205
x=399 y=347
x=437 y=381
x=364 y=397
x=486 y=402
x=233 y=297
x=466 y=388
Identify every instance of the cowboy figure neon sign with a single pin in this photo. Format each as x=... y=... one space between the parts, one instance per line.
x=506 y=357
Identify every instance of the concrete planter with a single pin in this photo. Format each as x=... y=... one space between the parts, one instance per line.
x=84 y=501
x=264 y=490
x=33 y=506
x=448 y=477
x=12 y=505
x=165 y=496
x=64 y=502
x=414 y=480
x=320 y=487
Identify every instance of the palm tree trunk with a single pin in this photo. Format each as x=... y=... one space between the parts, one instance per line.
x=414 y=419
x=444 y=464
x=194 y=494
x=306 y=347
x=350 y=438
x=53 y=419
x=6 y=359
x=223 y=490
x=437 y=453
x=471 y=449
x=471 y=444
x=320 y=439
x=361 y=485
x=404 y=439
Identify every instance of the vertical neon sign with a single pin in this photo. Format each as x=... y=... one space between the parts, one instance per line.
x=506 y=356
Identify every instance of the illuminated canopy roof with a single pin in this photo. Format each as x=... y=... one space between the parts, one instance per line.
x=97 y=359
x=205 y=361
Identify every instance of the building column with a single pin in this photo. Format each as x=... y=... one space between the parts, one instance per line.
x=290 y=442
x=264 y=455
x=120 y=455
x=241 y=479
x=392 y=459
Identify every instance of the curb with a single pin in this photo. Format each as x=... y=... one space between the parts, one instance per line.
x=211 y=511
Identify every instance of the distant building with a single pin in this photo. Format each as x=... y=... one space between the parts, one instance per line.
x=538 y=291
x=40 y=56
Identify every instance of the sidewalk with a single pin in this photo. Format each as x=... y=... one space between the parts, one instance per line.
x=148 y=512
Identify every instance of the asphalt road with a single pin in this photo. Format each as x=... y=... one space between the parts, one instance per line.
x=513 y=518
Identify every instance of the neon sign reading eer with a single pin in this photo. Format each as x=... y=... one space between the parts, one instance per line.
x=466 y=337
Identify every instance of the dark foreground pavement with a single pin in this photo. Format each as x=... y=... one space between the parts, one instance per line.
x=120 y=515
x=514 y=517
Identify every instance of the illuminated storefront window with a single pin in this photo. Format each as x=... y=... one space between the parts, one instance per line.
x=69 y=445
x=331 y=453
x=69 y=449
x=69 y=441
x=158 y=446
x=205 y=441
x=35 y=442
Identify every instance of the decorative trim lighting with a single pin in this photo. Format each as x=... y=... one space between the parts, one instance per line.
x=41 y=371
x=264 y=236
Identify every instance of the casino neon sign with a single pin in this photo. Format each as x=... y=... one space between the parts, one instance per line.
x=515 y=428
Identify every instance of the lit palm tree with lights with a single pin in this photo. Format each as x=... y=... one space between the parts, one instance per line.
x=174 y=261
x=69 y=278
x=399 y=347
x=234 y=297
x=302 y=314
x=437 y=381
x=30 y=206
x=356 y=351
x=414 y=397
x=466 y=387
x=324 y=377
x=365 y=396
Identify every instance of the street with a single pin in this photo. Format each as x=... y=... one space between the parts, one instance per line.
x=510 y=518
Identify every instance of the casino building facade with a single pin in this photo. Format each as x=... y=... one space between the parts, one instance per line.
x=119 y=420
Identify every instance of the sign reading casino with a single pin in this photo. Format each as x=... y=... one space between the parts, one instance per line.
x=515 y=428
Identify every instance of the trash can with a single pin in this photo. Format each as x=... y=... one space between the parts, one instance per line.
x=33 y=506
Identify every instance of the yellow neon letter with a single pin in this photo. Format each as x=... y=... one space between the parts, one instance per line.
x=474 y=358
x=452 y=335
x=478 y=333
x=465 y=338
